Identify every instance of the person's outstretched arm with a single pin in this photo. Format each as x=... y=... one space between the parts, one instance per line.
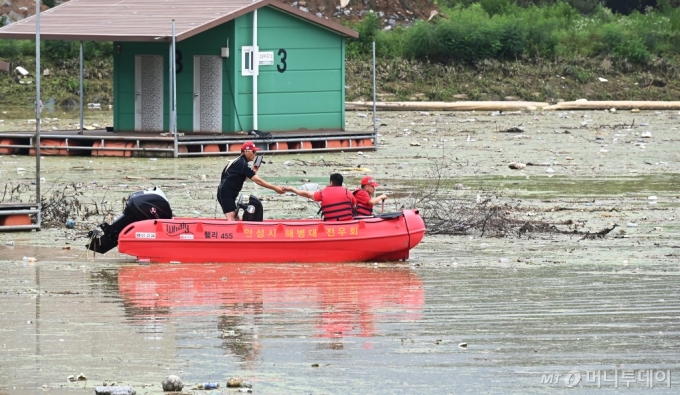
x=257 y=180
x=307 y=194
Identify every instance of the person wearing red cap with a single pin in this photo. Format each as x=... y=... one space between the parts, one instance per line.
x=337 y=203
x=365 y=201
x=233 y=177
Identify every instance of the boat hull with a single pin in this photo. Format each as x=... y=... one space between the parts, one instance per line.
x=202 y=240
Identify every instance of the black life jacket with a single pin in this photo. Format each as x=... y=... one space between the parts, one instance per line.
x=361 y=209
x=336 y=204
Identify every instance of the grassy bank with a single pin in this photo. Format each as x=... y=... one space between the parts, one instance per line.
x=60 y=79
x=532 y=80
x=404 y=80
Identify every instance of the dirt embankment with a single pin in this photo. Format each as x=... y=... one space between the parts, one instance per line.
x=392 y=12
x=15 y=10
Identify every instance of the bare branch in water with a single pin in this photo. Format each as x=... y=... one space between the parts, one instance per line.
x=450 y=208
x=60 y=205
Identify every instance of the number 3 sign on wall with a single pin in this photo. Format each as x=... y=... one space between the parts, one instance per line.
x=282 y=67
x=178 y=62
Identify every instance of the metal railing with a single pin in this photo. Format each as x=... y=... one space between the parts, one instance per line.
x=193 y=142
x=18 y=211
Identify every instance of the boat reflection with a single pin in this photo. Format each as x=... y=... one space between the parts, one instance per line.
x=334 y=300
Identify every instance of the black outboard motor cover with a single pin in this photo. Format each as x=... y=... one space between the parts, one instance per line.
x=147 y=204
x=253 y=211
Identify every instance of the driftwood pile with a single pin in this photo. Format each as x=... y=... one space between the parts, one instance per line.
x=449 y=209
x=57 y=206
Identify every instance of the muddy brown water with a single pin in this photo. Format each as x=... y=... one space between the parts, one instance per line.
x=537 y=314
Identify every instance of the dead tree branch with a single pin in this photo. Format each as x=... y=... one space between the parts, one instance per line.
x=448 y=209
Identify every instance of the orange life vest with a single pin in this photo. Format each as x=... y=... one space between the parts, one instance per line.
x=362 y=209
x=336 y=204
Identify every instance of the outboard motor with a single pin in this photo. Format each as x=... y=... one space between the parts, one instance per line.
x=147 y=204
x=253 y=211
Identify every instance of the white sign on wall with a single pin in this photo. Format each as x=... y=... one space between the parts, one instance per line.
x=247 y=62
x=266 y=58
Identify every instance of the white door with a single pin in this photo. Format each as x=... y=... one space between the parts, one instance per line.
x=148 y=93
x=207 y=94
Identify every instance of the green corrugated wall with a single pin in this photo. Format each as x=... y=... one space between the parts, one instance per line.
x=308 y=94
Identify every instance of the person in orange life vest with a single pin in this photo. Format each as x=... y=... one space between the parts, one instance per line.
x=337 y=203
x=233 y=177
x=365 y=201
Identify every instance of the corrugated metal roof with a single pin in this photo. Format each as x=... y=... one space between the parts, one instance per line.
x=145 y=20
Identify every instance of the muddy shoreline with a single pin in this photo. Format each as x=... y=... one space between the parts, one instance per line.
x=526 y=307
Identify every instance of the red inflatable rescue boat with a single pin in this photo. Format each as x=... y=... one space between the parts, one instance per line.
x=384 y=238
x=148 y=231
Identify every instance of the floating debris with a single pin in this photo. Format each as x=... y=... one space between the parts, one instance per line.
x=512 y=130
x=234 y=382
x=115 y=390
x=517 y=165
x=172 y=383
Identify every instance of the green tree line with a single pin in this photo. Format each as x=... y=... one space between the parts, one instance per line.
x=501 y=29
x=472 y=30
x=56 y=51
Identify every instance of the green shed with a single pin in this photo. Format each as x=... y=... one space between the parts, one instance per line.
x=239 y=65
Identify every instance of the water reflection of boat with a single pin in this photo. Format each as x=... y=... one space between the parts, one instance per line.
x=336 y=300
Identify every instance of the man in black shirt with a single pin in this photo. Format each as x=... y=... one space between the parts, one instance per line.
x=233 y=177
